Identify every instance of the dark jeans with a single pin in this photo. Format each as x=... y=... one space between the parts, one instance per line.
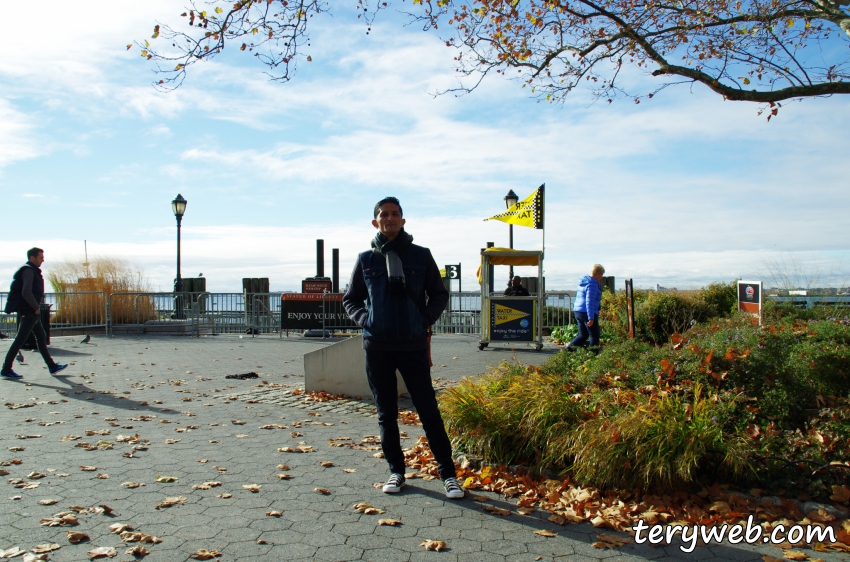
x=585 y=333
x=30 y=323
x=416 y=372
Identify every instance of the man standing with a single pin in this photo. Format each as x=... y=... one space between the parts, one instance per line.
x=515 y=289
x=387 y=298
x=586 y=309
x=25 y=296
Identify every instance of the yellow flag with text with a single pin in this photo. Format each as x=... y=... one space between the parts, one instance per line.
x=528 y=212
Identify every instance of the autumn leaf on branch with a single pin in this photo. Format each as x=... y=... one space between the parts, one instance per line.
x=743 y=50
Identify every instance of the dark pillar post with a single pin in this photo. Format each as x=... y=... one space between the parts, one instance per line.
x=320 y=258
x=490 y=270
x=335 y=269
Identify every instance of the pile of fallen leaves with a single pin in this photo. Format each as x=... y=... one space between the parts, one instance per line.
x=619 y=510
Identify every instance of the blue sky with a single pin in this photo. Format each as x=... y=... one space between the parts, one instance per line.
x=680 y=190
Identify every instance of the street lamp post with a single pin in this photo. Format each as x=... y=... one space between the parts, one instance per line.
x=511 y=200
x=179 y=207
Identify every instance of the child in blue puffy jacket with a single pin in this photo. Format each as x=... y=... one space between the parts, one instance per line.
x=586 y=310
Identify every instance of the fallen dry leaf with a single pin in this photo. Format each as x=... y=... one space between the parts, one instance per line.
x=545 y=533
x=41 y=548
x=138 y=551
x=480 y=498
x=253 y=488
x=132 y=484
x=48 y=502
x=225 y=496
x=88 y=468
x=496 y=510
x=64 y=519
x=769 y=558
x=283 y=467
x=526 y=510
x=840 y=494
x=368 y=509
x=168 y=502
x=349 y=470
x=206 y=485
x=11 y=552
x=326 y=464
x=166 y=479
x=119 y=528
x=274 y=513
x=434 y=545
x=76 y=537
x=102 y=552
x=608 y=537
x=204 y=554
x=30 y=557
x=323 y=491
x=794 y=555
x=389 y=522
x=284 y=476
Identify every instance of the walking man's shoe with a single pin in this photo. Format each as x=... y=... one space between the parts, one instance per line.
x=58 y=367
x=10 y=374
x=394 y=483
x=453 y=489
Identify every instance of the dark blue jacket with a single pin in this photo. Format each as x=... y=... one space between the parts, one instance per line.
x=588 y=297
x=17 y=302
x=393 y=321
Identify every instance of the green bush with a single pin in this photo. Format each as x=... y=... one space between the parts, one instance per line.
x=665 y=313
x=721 y=298
x=757 y=404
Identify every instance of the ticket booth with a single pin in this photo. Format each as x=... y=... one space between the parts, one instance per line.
x=511 y=320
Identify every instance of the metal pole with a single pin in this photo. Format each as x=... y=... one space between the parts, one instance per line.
x=511 y=246
x=490 y=275
x=178 y=283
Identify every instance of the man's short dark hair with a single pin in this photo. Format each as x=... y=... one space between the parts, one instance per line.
x=34 y=252
x=386 y=200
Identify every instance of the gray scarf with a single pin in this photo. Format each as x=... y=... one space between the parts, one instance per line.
x=391 y=249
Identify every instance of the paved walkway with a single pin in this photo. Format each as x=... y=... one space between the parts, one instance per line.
x=134 y=410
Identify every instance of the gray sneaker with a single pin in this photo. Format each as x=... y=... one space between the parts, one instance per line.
x=394 y=483
x=453 y=489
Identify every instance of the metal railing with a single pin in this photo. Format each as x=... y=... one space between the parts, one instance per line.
x=334 y=316
x=262 y=313
x=251 y=313
x=812 y=302
x=68 y=312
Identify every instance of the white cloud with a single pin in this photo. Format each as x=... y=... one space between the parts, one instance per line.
x=17 y=140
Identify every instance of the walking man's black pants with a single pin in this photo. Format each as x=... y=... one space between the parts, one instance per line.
x=30 y=323
x=416 y=372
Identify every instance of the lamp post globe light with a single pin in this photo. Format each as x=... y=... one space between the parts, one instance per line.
x=179 y=207
x=511 y=200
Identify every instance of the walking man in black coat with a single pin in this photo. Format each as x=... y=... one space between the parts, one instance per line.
x=25 y=296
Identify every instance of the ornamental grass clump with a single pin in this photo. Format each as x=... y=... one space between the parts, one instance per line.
x=82 y=292
x=663 y=440
x=760 y=405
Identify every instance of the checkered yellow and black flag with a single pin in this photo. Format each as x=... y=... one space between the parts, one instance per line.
x=528 y=212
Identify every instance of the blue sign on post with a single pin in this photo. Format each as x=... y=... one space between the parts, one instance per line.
x=513 y=320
